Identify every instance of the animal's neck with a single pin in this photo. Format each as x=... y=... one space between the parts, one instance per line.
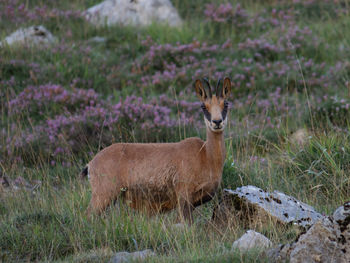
x=215 y=150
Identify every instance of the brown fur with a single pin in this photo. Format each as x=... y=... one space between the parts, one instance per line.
x=161 y=176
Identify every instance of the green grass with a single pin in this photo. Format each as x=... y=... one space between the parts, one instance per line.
x=52 y=224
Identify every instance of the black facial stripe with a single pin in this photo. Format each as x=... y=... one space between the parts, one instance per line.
x=224 y=111
x=206 y=112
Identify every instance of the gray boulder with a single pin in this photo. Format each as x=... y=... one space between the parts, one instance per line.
x=250 y=204
x=319 y=244
x=328 y=240
x=133 y=12
x=32 y=36
x=251 y=240
x=138 y=256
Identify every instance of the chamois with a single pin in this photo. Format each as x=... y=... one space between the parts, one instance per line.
x=159 y=177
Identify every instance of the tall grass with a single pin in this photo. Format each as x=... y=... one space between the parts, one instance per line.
x=51 y=224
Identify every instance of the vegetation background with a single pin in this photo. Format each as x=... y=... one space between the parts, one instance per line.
x=288 y=128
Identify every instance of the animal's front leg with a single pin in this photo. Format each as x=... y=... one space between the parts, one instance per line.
x=98 y=205
x=102 y=196
x=185 y=209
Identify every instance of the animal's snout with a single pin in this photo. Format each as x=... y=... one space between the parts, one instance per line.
x=217 y=122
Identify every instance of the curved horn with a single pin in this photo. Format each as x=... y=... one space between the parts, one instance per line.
x=209 y=87
x=217 y=89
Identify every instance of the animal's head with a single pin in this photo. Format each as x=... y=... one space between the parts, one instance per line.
x=214 y=106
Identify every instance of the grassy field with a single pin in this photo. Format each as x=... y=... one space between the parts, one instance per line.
x=288 y=60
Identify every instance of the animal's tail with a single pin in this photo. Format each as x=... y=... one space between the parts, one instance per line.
x=84 y=173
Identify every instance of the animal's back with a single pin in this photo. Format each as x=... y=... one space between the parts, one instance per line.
x=143 y=158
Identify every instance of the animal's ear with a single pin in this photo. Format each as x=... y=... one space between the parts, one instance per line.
x=202 y=95
x=226 y=89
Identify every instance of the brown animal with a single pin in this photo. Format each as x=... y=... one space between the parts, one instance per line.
x=162 y=176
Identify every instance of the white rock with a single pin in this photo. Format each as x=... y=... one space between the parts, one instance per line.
x=261 y=206
x=134 y=12
x=251 y=240
x=138 y=256
x=34 y=35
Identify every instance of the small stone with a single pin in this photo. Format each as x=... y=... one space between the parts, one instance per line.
x=300 y=137
x=251 y=240
x=97 y=40
x=33 y=36
x=138 y=256
x=342 y=214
